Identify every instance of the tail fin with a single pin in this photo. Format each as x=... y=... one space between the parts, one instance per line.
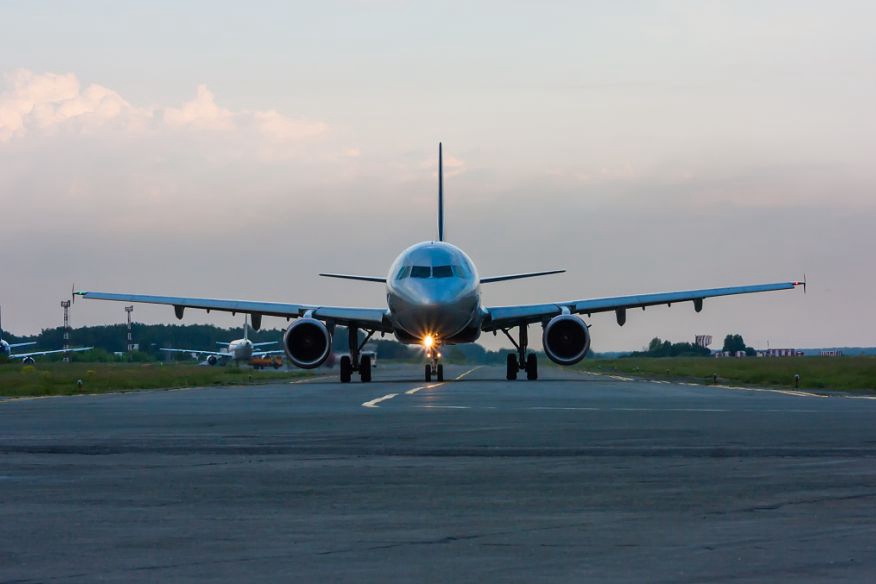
x=440 y=194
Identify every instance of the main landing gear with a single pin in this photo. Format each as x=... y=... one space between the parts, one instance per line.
x=355 y=362
x=522 y=360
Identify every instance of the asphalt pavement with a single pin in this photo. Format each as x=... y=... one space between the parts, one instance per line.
x=572 y=478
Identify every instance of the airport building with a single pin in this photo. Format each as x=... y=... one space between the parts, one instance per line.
x=780 y=353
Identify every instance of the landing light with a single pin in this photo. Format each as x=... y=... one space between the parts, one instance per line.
x=428 y=341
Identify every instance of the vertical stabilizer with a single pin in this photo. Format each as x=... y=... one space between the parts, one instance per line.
x=440 y=194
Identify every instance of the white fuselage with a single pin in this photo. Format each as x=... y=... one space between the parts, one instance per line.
x=433 y=289
x=240 y=350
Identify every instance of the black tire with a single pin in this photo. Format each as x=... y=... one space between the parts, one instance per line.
x=346 y=369
x=511 y=373
x=440 y=372
x=365 y=369
x=428 y=372
x=531 y=367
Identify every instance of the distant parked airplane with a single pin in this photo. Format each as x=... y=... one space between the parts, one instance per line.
x=28 y=358
x=237 y=350
x=433 y=294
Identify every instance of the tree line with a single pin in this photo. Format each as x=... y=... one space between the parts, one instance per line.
x=658 y=347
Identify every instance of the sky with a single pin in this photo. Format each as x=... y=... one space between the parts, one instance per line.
x=234 y=150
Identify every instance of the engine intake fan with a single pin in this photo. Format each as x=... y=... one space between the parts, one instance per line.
x=566 y=339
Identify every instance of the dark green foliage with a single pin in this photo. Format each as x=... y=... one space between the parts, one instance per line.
x=660 y=348
x=734 y=343
x=387 y=349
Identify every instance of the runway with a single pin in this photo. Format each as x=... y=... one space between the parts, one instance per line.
x=572 y=478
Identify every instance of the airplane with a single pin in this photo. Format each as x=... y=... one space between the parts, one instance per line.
x=6 y=349
x=433 y=293
x=237 y=350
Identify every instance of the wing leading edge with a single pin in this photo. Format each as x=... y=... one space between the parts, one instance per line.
x=504 y=316
x=55 y=352
x=370 y=318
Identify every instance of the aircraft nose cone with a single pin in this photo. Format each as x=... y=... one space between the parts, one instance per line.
x=434 y=307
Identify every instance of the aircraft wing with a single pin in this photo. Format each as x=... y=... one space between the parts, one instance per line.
x=268 y=353
x=264 y=344
x=17 y=345
x=506 y=316
x=196 y=352
x=367 y=318
x=41 y=353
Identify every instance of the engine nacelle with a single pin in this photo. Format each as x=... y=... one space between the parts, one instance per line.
x=28 y=361
x=212 y=360
x=307 y=342
x=566 y=339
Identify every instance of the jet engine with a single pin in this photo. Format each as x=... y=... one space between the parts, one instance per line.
x=307 y=342
x=28 y=361
x=212 y=360
x=566 y=339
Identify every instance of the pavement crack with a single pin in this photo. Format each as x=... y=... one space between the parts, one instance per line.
x=812 y=501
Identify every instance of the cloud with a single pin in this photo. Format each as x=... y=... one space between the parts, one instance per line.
x=279 y=128
x=39 y=103
x=42 y=102
x=453 y=166
x=200 y=113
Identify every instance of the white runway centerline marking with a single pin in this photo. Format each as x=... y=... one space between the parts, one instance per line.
x=373 y=403
x=416 y=389
x=467 y=372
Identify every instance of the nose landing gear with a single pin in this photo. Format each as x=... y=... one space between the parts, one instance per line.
x=434 y=368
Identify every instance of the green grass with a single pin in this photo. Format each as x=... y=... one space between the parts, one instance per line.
x=17 y=380
x=840 y=373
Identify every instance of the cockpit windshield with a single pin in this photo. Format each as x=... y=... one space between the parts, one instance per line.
x=421 y=271
x=448 y=271
x=442 y=271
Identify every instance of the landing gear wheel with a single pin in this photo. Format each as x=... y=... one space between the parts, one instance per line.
x=365 y=369
x=440 y=375
x=428 y=372
x=346 y=369
x=511 y=373
x=531 y=367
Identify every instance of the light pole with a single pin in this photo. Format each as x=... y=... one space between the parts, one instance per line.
x=65 y=304
x=129 y=310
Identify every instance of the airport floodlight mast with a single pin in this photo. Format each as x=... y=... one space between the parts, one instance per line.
x=129 y=310
x=65 y=304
